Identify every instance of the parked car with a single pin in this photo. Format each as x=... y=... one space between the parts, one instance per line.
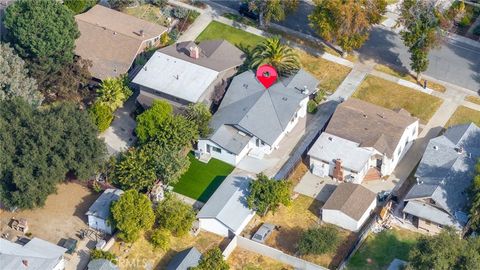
x=245 y=11
x=263 y=232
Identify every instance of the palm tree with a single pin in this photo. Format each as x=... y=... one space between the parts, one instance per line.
x=283 y=58
x=113 y=92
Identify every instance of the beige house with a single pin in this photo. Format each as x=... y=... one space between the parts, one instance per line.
x=112 y=40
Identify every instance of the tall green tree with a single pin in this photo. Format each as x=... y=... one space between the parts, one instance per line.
x=421 y=21
x=40 y=147
x=43 y=33
x=113 y=92
x=134 y=171
x=282 y=57
x=14 y=80
x=199 y=114
x=147 y=122
x=174 y=215
x=475 y=199
x=272 y=10
x=101 y=115
x=212 y=260
x=79 y=6
x=268 y=194
x=131 y=214
x=346 y=22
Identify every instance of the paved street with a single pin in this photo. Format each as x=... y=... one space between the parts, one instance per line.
x=455 y=62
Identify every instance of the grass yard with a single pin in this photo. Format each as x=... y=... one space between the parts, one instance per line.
x=238 y=37
x=409 y=77
x=378 y=250
x=147 y=12
x=473 y=99
x=202 y=179
x=329 y=73
x=391 y=95
x=302 y=214
x=242 y=259
x=464 y=115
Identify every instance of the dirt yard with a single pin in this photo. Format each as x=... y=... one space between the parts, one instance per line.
x=242 y=259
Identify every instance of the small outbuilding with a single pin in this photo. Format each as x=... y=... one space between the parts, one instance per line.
x=349 y=206
x=101 y=264
x=226 y=213
x=99 y=212
x=186 y=259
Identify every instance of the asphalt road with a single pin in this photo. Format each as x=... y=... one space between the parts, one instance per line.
x=454 y=62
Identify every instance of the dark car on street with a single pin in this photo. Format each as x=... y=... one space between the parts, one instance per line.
x=245 y=11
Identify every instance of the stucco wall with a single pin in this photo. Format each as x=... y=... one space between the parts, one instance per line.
x=213 y=226
x=342 y=220
x=99 y=224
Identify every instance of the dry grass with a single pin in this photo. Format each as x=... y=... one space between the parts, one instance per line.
x=141 y=253
x=392 y=96
x=297 y=174
x=408 y=77
x=147 y=12
x=464 y=115
x=242 y=259
x=473 y=99
x=329 y=73
x=302 y=214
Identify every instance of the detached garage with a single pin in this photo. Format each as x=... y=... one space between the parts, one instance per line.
x=349 y=206
x=99 y=212
x=226 y=213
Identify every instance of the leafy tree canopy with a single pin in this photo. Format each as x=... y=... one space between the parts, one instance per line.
x=199 y=114
x=346 y=22
x=212 y=260
x=14 y=80
x=174 y=215
x=147 y=122
x=160 y=239
x=121 y=4
x=268 y=194
x=101 y=254
x=101 y=115
x=475 y=199
x=272 y=10
x=282 y=57
x=113 y=92
x=134 y=171
x=40 y=147
x=79 y=6
x=131 y=214
x=319 y=240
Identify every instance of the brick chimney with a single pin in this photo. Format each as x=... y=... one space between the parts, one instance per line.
x=337 y=170
x=194 y=52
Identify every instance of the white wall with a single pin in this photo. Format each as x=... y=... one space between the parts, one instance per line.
x=406 y=141
x=342 y=220
x=322 y=169
x=99 y=224
x=60 y=265
x=214 y=226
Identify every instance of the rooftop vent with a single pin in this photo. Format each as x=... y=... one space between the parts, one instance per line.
x=194 y=52
x=365 y=116
x=459 y=150
x=25 y=262
x=330 y=139
x=419 y=182
x=435 y=147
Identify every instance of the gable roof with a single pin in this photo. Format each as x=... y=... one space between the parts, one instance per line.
x=39 y=254
x=185 y=259
x=229 y=202
x=350 y=199
x=447 y=168
x=101 y=207
x=263 y=113
x=111 y=39
x=429 y=212
x=370 y=125
x=101 y=264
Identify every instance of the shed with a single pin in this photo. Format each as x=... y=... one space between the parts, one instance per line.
x=185 y=259
x=99 y=212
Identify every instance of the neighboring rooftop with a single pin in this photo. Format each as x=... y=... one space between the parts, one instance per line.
x=329 y=147
x=185 y=259
x=229 y=202
x=38 y=254
x=447 y=169
x=101 y=207
x=351 y=199
x=173 y=71
x=112 y=39
x=264 y=113
x=370 y=125
x=101 y=264
x=397 y=264
x=431 y=213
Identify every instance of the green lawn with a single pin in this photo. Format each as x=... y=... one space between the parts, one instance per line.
x=391 y=95
x=238 y=37
x=378 y=250
x=201 y=179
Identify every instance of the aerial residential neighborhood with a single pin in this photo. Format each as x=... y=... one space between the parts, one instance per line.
x=239 y=134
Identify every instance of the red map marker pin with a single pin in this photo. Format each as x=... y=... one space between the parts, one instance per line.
x=267 y=75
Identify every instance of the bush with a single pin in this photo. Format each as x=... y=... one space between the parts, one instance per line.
x=101 y=115
x=175 y=216
x=79 y=6
x=319 y=240
x=180 y=13
x=100 y=254
x=167 y=11
x=466 y=20
x=173 y=35
x=160 y=238
x=192 y=16
x=476 y=31
x=319 y=96
x=159 y=3
x=311 y=106
x=121 y=4
x=164 y=39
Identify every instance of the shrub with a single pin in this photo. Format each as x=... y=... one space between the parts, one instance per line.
x=319 y=96
x=476 y=31
x=79 y=6
x=164 y=39
x=466 y=20
x=192 y=15
x=159 y=3
x=311 y=106
x=173 y=35
x=160 y=238
x=318 y=240
x=167 y=11
x=100 y=254
x=121 y=4
x=175 y=216
x=180 y=13
x=101 y=115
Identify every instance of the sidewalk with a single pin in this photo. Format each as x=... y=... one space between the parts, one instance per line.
x=350 y=83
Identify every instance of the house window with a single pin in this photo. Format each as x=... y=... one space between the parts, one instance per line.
x=428 y=222
x=216 y=149
x=399 y=151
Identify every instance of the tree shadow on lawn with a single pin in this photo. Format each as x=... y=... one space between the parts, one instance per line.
x=210 y=189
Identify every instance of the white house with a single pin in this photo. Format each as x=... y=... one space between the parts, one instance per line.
x=349 y=206
x=252 y=119
x=362 y=141
x=37 y=254
x=99 y=212
x=226 y=212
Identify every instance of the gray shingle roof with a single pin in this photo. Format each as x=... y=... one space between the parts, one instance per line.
x=101 y=264
x=428 y=212
x=229 y=202
x=185 y=259
x=351 y=199
x=101 y=207
x=263 y=113
x=445 y=172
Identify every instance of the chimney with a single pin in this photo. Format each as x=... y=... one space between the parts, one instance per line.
x=194 y=52
x=25 y=262
x=337 y=170
x=142 y=33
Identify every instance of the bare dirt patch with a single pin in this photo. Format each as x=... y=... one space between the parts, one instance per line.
x=242 y=259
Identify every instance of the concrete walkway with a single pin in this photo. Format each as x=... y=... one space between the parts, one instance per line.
x=350 y=83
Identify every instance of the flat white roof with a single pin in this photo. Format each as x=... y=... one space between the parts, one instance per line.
x=175 y=77
x=329 y=147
